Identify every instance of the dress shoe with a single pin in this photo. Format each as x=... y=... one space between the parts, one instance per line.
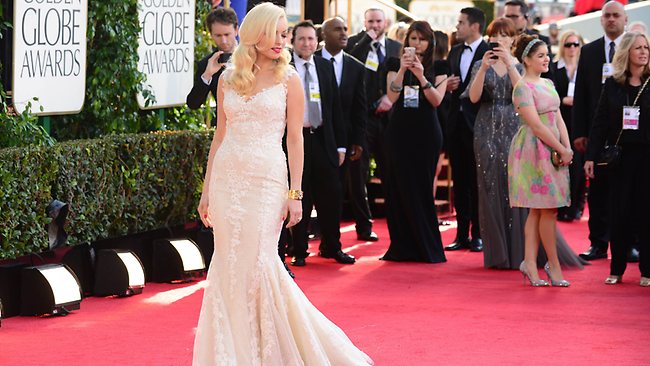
x=633 y=255
x=458 y=244
x=298 y=262
x=339 y=256
x=613 y=280
x=594 y=253
x=476 y=245
x=565 y=217
x=289 y=270
x=371 y=236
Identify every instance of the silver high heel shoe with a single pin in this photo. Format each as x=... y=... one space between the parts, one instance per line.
x=534 y=283
x=560 y=283
x=644 y=282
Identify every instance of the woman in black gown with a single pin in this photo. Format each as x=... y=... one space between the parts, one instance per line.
x=413 y=139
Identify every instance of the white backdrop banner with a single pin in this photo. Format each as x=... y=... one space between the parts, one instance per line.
x=166 y=50
x=49 y=59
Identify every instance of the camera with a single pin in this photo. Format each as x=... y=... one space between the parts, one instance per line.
x=224 y=57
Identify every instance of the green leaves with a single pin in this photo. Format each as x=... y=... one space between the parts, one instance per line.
x=117 y=185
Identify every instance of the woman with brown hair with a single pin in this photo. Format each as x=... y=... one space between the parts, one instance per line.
x=413 y=139
x=623 y=119
x=538 y=181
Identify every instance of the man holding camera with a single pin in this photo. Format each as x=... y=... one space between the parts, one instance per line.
x=223 y=25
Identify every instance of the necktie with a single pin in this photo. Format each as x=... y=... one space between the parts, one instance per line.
x=313 y=112
x=612 y=49
x=338 y=77
x=380 y=54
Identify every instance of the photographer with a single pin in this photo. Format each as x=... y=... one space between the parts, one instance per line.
x=223 y=26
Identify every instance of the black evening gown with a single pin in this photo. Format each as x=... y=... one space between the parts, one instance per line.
x=413 y=140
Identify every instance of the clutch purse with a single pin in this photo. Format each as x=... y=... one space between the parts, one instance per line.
x=610 y=156
x=556 y=160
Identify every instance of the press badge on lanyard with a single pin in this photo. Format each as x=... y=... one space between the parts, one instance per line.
x=631 y=116
x=372 y=61
x=411 y=96
x=608 y=70
x=314 y=92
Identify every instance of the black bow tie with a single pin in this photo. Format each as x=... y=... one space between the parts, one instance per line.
x=466 y=47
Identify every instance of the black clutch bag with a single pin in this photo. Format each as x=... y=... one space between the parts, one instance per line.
x=610 y=156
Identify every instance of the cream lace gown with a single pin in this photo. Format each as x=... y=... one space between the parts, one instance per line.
x=253 y=313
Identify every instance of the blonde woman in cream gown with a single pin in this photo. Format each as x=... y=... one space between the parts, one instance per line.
x=253 y=313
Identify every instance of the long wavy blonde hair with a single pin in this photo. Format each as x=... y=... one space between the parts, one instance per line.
x=258 y=30
x=621 y=61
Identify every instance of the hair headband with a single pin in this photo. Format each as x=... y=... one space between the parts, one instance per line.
x=529 y=46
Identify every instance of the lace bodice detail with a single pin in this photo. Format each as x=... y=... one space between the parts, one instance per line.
x=256 y=122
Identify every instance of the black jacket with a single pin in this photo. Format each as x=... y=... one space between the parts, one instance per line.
x=608 y=120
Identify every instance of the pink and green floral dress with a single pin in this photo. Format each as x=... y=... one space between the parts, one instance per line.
x=532 y=179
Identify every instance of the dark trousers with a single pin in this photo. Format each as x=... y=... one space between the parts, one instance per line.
x=463 y=170
x=630 y=200
x=599 y=208
x=321 y=186
x=353 y=182
x=577 y=182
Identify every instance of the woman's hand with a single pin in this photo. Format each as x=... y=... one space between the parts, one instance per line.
x=589 y=169
x=488 y=60
x=503 y=55
x=417 y=69
x=567 y=156
x=405 y=62
x=567 y=101
x=293 y=209
x=203 y=211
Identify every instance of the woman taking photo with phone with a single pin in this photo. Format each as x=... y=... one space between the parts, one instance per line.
x=413 y=139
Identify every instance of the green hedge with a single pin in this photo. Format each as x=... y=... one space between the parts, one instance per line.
x=116 y=185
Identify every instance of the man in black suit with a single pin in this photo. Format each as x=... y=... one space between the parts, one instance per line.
x=325 y=146
x=593 y=68
x=462 y=114
x=223 y=25
x=350 y=76
x=372 y=48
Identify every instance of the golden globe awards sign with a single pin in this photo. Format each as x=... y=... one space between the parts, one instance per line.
x=49 y=56
x=166 y=50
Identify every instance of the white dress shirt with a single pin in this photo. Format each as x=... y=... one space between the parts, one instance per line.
x=300 y=68
x=466 y=58
x=617 y=41
x=338 y=64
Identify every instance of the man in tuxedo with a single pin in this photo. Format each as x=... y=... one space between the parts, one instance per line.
x=223 y=26
x=325 y=146
x=594 y=67
x=372 y=48
x=350 y=76
x=462 y=114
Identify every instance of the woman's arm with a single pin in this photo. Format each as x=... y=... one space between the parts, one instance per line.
x=513 y=73
x=396 y=79
x=295 y=147
x=216 y=142
x=478 y=79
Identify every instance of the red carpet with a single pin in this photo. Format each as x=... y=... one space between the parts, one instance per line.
x=455 y=313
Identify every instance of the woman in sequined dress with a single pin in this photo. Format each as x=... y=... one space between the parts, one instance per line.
x=502 y=226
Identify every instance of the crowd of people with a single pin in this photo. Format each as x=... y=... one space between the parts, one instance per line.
x=297 y=126
x=408 y=95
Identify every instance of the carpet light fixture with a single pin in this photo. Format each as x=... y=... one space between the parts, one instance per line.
x=118 y=272
x=50 y=289
x=176 y=260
